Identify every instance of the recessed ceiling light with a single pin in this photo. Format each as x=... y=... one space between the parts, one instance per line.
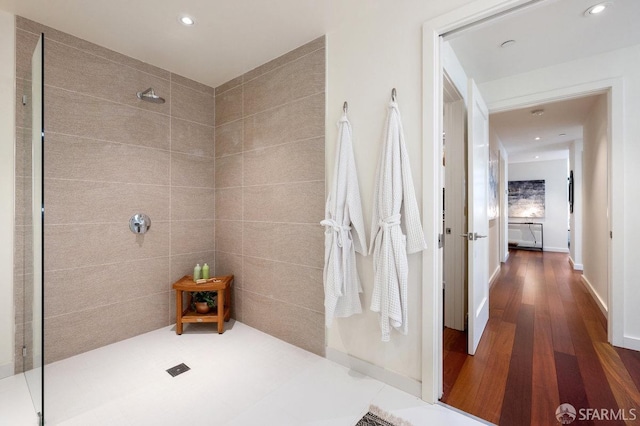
x=187 y=20
x=507 y=43
x=596 y=9
x=537 y=112
x=537 y=156
x=537 y=138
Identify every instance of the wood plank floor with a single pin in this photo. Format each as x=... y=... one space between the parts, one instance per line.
x=545 y=344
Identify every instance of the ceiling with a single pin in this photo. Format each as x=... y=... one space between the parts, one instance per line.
x=546 y=33
x=559 y=125
x=231 y=38
x=228 y=39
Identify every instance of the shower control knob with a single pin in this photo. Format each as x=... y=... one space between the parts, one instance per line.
x=139 y=223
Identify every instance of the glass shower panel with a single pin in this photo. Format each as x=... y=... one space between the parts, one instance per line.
x=34 y=237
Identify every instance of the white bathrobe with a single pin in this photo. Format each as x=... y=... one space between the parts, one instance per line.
x=344 y=234
x=394 y=189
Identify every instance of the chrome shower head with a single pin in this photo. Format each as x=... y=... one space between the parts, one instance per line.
x=150 y=96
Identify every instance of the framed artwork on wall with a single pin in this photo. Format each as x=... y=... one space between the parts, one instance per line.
x=526 y=198
x=571 y=191
x=493 y=203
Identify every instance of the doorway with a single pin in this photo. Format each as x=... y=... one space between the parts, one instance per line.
x=520 y=94
x=454 y=163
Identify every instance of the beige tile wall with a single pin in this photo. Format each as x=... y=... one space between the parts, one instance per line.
x=270 y=194
x=109 y=155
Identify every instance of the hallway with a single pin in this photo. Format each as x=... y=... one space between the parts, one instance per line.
x=545 y=344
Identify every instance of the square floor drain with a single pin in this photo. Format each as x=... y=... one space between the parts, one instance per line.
x=178 y=369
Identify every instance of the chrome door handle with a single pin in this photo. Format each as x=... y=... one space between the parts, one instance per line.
x=472 y=236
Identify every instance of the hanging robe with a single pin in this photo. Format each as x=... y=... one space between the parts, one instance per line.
x=344 y=233
x=389 y=245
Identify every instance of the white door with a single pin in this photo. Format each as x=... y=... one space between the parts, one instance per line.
x=478 y=173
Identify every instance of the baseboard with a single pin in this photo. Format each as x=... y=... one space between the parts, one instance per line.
x=506 y=257
x=556 y=249
x=598 y=300
x=494 y=276
x=391 y=378
x=7 y=370
x=631 y=343
x=576 y=266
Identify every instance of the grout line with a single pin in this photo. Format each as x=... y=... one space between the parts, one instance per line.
x=145 y=259
x=264 y=148
x=272 y=260
x=243 y=288
x=193 y=122
x=191 y=88
x=259 y=185
x=61 y=224
x=193 y=187
x=95 y=140
x=279 y=66
x=283 y=144
x=106 y=181
x=272 y=222
x=284 y=183
x=50 y=39
x=107 y=100
x=284 y=104
x=130 y=299
x=232 y=87
x=243 y=117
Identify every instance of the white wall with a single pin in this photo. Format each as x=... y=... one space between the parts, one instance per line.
x=575 y=220
x=620 y=70
x=379 y=50
x=495 y=233
x=595 y=233
x=556 y=206
x=7 y=167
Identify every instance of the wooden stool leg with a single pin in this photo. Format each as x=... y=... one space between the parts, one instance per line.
x=227 y=303
x=220 y=311
x=178 y=311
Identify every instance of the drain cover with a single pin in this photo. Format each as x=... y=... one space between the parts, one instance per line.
x=178 y=369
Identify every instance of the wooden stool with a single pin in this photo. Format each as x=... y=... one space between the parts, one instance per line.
x=221 y=285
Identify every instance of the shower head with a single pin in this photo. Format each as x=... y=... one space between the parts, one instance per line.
x=150 y=96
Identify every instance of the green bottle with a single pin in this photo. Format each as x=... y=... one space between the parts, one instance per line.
x=205 y=271
x=197 y=272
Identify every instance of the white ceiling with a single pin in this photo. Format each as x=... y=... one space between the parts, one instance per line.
x=547 y=33
x=233 y=37
x=228 y=39
x=559 y=125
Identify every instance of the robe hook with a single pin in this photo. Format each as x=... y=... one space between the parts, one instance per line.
x=393 y=94
x=345 y=107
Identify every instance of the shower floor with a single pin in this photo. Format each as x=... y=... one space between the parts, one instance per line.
x=242 y=377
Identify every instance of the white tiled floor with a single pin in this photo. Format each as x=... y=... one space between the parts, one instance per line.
x=242 y=377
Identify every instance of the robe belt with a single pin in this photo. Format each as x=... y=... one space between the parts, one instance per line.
x=340 y=230
x=389 y=222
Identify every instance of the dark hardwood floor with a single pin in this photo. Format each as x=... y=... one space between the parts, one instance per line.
x=545 y=344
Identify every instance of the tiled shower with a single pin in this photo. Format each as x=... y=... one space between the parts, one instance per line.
x=231 y=176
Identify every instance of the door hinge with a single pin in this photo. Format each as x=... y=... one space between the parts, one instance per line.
x=440 y=240
x=611 y=234
x=24 y=99
x=24 y=351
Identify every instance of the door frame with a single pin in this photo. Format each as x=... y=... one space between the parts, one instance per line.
x=432 y=69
